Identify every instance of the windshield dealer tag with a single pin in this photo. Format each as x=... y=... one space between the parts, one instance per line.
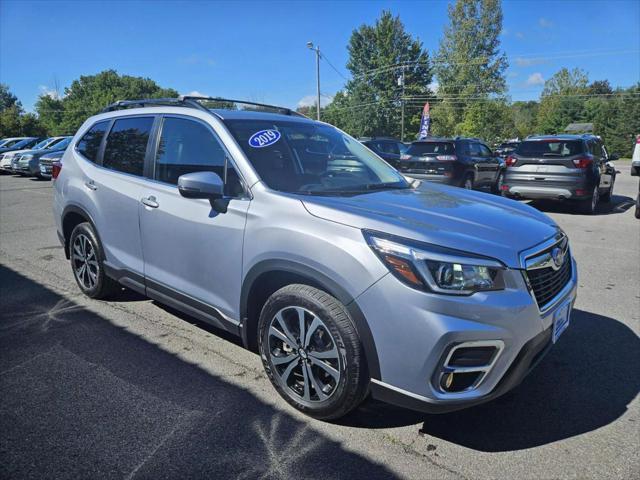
x=264 y=138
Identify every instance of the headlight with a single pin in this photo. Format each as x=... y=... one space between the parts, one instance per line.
x=436 y=269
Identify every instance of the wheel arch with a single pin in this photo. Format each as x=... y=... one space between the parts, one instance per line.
x=73 y=215
x=268 y=276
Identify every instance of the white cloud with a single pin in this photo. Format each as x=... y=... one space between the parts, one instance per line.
x=46 y=91
x=519 y=35
x=434 y=86
x=535 y=79
x=545 y=23
x=310 y=101
x=195 y=93
x=527 y=62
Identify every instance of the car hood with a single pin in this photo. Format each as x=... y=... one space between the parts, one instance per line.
x=451 y=217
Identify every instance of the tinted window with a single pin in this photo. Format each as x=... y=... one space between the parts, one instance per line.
x=388 y=147
x=431 y=148
x=89 y=144
x=127 y=145
x=484 y=151
x=550 y=148
x=474 y=149
x=188 y=146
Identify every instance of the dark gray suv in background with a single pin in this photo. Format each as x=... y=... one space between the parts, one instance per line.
x=462 y=162
x=561 y=167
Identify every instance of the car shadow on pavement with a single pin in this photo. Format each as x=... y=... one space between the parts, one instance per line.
x=585 y=382
x=617 y=204
x=83 y=398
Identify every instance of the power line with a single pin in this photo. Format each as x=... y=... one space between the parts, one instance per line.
x=324 y=57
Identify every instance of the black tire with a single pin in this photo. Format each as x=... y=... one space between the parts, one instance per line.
x=607 y=196
x=589 y=206
x=97 y=285
x=637 y=213
x=351 y=388
x=497 y=187
x=467 y=182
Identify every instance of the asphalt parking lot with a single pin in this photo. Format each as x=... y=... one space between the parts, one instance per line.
x=131 y=389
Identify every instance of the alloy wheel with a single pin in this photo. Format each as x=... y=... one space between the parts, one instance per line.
x=85 y=262
x=303 y=354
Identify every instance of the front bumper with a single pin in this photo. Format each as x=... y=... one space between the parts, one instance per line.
x=413 y=330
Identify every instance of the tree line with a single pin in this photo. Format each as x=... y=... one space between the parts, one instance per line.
x=392 y=77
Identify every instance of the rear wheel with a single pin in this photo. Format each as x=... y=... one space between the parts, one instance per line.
x=607 y=196
x=589 y=205
x=637 y=213
x=311 y=352
x=468 y=182
x=87 y=263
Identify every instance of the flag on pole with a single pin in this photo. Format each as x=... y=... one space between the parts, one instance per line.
x=425 y=123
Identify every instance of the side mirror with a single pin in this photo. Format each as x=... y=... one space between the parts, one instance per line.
x=207 y=185
x=201 y=185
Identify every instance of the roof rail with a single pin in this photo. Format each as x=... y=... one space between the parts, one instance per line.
x=190 y=101
x=284 y=110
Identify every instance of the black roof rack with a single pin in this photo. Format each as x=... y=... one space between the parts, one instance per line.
x=191 y=101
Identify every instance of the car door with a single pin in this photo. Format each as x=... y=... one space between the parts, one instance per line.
x=491 y=165
x=605 y=170
x=192 y=253
x=116 y=189
x=477 y=163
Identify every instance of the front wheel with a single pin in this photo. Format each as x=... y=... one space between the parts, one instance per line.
x=467 y=184
x=311 y=352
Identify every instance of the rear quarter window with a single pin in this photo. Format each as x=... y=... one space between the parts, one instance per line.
x=89 y=144
x=550 y=148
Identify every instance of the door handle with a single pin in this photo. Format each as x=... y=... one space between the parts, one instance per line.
x=90 y=184
x=150 y=202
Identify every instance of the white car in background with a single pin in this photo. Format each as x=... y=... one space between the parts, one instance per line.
x=635 y=171
x=7 y=158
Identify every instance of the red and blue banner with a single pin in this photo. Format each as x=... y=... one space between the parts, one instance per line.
x=425 y=122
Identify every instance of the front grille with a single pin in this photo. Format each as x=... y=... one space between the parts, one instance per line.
x=547 y=282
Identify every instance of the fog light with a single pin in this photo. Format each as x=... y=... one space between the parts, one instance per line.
x=447 y=381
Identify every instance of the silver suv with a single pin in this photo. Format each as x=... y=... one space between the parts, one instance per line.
x=348 y=278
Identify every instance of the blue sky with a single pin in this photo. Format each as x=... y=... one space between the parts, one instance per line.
x=257 y=50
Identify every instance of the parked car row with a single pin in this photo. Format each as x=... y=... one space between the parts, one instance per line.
x=35 y=161
x=573 y=168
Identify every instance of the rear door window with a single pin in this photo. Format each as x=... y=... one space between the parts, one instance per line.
x=550 y=148
x=127 y=145
x=89 y=144
x=431 y=148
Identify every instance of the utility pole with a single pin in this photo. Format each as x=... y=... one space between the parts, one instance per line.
x=317 y=50
x=401 y=83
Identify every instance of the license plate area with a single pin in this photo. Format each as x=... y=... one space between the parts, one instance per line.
x=561 y=318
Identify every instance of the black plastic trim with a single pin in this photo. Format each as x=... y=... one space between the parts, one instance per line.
x=332 y=287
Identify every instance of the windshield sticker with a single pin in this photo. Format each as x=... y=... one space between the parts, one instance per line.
x=264 y=138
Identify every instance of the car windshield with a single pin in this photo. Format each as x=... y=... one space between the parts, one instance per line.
x=60 y=144
x=42 y=144
x=430 y=148
x=312 y=158
x=550 y=148
x=11 y=143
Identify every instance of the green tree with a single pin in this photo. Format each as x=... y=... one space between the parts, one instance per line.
x=379 y=55
x=8 y=99
x=489 y=120
x=90 y=94
x=525 y=117
x=562 y=100
x=51 y=112
x=469 y=64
